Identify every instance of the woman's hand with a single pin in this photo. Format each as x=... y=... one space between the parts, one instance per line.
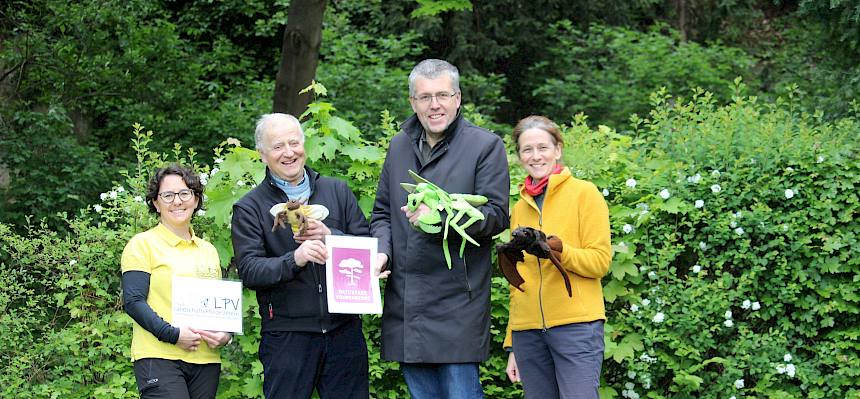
x=512 y=370
x=215 y=339
x=188 y=339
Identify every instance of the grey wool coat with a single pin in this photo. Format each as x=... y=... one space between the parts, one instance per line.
x=432 y=314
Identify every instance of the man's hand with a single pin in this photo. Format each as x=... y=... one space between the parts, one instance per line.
x=512 y=370
x=188 y=339
x=215 y=339
x=379 y=267
x=316 y=230
x=310 y=251
x=413 y=216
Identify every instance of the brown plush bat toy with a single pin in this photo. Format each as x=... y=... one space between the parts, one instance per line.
x=534 y=242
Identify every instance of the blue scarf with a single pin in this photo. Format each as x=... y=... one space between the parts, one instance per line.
x=300 y=192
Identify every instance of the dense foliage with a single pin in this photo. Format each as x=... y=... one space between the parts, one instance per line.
x=734 y=228
x=733 y=215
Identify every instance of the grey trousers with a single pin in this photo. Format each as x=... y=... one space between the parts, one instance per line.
x=561 y=362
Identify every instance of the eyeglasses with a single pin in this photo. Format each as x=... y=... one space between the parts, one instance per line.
x=184 y=195
x=441 y=97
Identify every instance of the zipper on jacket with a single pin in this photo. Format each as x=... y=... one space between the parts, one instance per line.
x=315 y=272
x=466 y=271
x=271 y=312
x=540 y=273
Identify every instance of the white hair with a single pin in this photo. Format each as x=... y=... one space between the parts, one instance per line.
x=268 y=120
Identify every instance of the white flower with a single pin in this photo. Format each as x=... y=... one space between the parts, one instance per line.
x=737 y=214
x=789 y=193
x=694 y=178
x=756 y=305
x=665 y=194
x=627 y=228
x=697 y=268
x=631 y=375
x=780 y=368
x=120 y=189
x=699 y=203
x=240 y=183
x=646 y=302
x=789 y=169
x=789 y=369
x=647 y=359
x=72 y=262
x=729 y=323
x=715 y=188
x=630 y=385
x=652 y=275
x=728 y=315
x=733 y=224
x=739 y=231
x=201 y=212
x=103 y=196
x=746 y=304
x=634 y=308
x=204 y=181
x=739 y=383
x=752 y=161
x=113 y=194
x=98 y=208
x=702 y=245
x=219 y=160
x=631 y=183
x=138 y=198
x=787 y=357
x=213 y=171
x=820 y=159
x=715 y=173
x=732 y=397
x=605 y=192
x=659 y=317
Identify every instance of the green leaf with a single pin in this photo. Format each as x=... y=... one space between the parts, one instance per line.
x=614 y=289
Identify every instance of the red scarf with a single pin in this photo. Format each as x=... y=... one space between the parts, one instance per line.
x=535 y=189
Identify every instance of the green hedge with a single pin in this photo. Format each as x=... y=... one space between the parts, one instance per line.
x=779 y=261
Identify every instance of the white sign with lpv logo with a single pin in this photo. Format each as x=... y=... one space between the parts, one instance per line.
x=207 y=304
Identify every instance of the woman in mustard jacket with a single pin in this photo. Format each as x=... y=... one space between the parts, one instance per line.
x=556 y=339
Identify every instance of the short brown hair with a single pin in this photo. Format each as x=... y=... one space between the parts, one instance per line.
x=188 y=176
x=537 y=122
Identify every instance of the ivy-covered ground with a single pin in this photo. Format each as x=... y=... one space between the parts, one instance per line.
x=735 y=272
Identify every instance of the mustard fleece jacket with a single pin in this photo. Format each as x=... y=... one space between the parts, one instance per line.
x=573 y=210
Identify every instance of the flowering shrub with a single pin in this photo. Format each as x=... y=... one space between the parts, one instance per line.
x=733 y=231
x=733 y=274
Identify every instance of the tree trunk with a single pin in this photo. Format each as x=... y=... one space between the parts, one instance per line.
x=681 y=6
x=299 y=56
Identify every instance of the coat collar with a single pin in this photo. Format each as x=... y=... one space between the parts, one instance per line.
x=554 y=182
x=412 y=127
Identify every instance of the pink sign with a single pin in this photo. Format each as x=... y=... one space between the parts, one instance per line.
x=352 y=272
x=352 y=287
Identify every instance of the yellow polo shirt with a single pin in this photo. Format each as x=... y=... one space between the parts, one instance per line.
x=163 y=254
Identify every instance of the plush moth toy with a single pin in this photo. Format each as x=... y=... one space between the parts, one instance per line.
x=296 y=215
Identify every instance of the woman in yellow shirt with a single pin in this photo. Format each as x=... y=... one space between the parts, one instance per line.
x=169 y=361
x=557 y=339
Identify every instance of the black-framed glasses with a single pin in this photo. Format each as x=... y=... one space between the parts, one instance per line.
x=184 y=195
x=441 y=97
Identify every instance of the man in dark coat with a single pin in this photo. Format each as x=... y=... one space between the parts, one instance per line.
x=436 y=321
x=302 y=346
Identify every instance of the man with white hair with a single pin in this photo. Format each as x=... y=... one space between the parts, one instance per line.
x=303 y=347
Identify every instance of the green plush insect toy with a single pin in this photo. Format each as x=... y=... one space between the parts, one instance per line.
x=456 y=207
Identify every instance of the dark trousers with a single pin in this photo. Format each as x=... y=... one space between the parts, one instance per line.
x=175 y=379
x=560 y=362
x=335 y=363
